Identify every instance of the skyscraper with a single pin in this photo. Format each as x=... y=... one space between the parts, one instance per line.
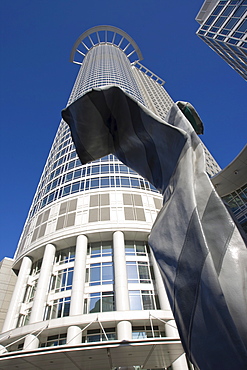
x=223 y=27
x=87 y=279
x=231 y=185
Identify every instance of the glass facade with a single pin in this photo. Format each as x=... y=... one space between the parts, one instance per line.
x=237 y=201
x=224 y=29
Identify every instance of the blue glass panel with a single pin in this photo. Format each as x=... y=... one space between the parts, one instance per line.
x=135 y=300
x=106 y=249
x=105 y=182
x=228 y=10
x=77 y=174
x=129 y=249
x=66 y=190
x=123 y=168
x=231 y=23
x=78 y=163
x=87 y=185
x=232 y=41
x=71 y=165
x=104 y=168
x=219 y=22
x=132 y=272
x=134 y=182
x=217 y=10
x=139 y=335
x=219 y=37
x=107 y=272
x=96 y=250
x=244 y=45
x=238 y=35
x=240 y=11
x=70 y=278
x=50 y=198
x=210 y=34
x=75 y=187
x=94 y=183
x=210 y=20
x=55 y=183
x=106 y=158
x=243 y=26
x=94 y=305
x=125 y=182
x=94 y=273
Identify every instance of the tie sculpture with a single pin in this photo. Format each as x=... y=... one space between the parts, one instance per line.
x=200 y=252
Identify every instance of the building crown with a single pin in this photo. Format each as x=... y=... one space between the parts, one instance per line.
x=105 y=35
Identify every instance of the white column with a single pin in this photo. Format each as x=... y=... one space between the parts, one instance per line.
x=164 y=303
x=31 y=342
x=74 y=335
x=77 y=293
x=18 y=295
x=171 y=331
x=120 y=272
x=43 y=284
x=124 y=328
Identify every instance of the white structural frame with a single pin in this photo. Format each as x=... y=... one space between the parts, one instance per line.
x=88 y=35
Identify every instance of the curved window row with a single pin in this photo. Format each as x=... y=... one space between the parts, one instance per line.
x=98 y=183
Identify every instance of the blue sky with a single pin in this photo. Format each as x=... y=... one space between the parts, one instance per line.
x=36 y=79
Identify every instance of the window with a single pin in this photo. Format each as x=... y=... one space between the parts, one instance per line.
x=143 y=300
x=65 y=255
x=58 y=308
x=99 y=302
x=36 y=267
x=142 y=332
x=23 y=319
x=100 y=249
x=30 y=291
x=54 y=340
x=100 y=273
x=98 y=335
x=136 y=248
x=62 y=280
x=138 y=272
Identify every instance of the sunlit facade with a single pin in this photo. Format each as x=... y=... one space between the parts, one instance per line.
x=231 y=185
x=87 y=279
x=223 y=27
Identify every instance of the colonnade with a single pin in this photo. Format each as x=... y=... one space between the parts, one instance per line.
x=74 y=333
